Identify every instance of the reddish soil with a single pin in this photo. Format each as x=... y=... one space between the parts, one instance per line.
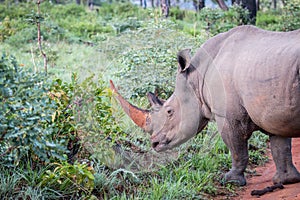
x=264 y=179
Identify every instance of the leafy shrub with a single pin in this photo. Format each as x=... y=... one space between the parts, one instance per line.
x=69 y=179
x=85 y=115
x=158 y=77
x=86 y=28
x=14 y=11
x=149 y=62
x=267 y=19
x=62 y=11
x=6 y=29
x=210 y=21
x=178 y=14
x=218 y=21
x=26 y=114
x=121 y=11
x=22 y=37
x=129 y=24
x=284 y=19
x=11 y=19
x=291 y=16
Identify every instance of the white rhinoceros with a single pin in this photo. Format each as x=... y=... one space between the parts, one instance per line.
x=246 y=79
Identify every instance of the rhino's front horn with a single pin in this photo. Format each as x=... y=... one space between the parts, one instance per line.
x=138 y=116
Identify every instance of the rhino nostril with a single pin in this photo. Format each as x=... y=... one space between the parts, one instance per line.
x=154 y=144
x=168 y=141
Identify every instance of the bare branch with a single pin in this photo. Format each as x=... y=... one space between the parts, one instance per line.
x=39 y=37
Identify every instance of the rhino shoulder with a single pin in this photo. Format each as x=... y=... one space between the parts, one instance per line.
x=214 y=44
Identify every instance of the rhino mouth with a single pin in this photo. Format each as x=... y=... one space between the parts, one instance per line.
x=160 y=145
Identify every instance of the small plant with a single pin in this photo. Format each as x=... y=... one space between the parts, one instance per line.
x=8 y=183
x=111 y=184
x=69 y=179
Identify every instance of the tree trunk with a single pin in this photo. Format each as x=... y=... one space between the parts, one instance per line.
x=199 y=4
x=165 y=7
x=222 y=4
x=157 y=3
x=152 y=3
x=250 y=5
x=143 y=3
x=91 y=4
x=275 y=4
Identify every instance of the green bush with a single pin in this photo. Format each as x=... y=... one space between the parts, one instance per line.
x=267 y=19
x=121 y=11
x=14 y=11
x=286 y=18
x=22 y=37
x=69 y=22
x=149 y=62
x=26 y=114
x=62 y=11
x=209 y=21
x=85 y=116
x=6 y=29
x=217 y=21
x=178 y=14
x=291 y=16
x=69 y=179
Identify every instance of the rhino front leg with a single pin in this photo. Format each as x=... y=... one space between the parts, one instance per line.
x=236 y=140
x=282 y=155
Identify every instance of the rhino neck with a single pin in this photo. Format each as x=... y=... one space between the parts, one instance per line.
x=201 y=62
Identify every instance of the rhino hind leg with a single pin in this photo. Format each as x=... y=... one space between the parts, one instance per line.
x=281 y=152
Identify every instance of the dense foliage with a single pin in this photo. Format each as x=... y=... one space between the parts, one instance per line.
x=63 y=136
x=44 y=121
x=26 y=114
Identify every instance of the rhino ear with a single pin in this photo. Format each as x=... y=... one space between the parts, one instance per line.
x=184 y=59
x=154 y=100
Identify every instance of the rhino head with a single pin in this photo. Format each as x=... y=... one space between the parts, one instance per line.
x=173 y=121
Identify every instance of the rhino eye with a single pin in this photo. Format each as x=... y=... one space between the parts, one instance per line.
x=170 y=112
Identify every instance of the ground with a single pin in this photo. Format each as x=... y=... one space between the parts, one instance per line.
x=264 y=176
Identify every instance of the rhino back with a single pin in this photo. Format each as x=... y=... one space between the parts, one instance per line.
x=258 y=71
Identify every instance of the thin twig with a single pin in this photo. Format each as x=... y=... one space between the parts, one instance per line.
x=39 y=37
x=7 y=151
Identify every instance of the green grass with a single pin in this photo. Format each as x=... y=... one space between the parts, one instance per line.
x=137 y=49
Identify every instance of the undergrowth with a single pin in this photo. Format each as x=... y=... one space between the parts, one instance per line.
x=64 y=137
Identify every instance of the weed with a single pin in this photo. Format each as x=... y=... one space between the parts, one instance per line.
x=8 y=183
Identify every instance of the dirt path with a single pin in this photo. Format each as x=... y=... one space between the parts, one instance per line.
x=290 y=192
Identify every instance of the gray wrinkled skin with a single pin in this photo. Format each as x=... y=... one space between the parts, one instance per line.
x=246 y=79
